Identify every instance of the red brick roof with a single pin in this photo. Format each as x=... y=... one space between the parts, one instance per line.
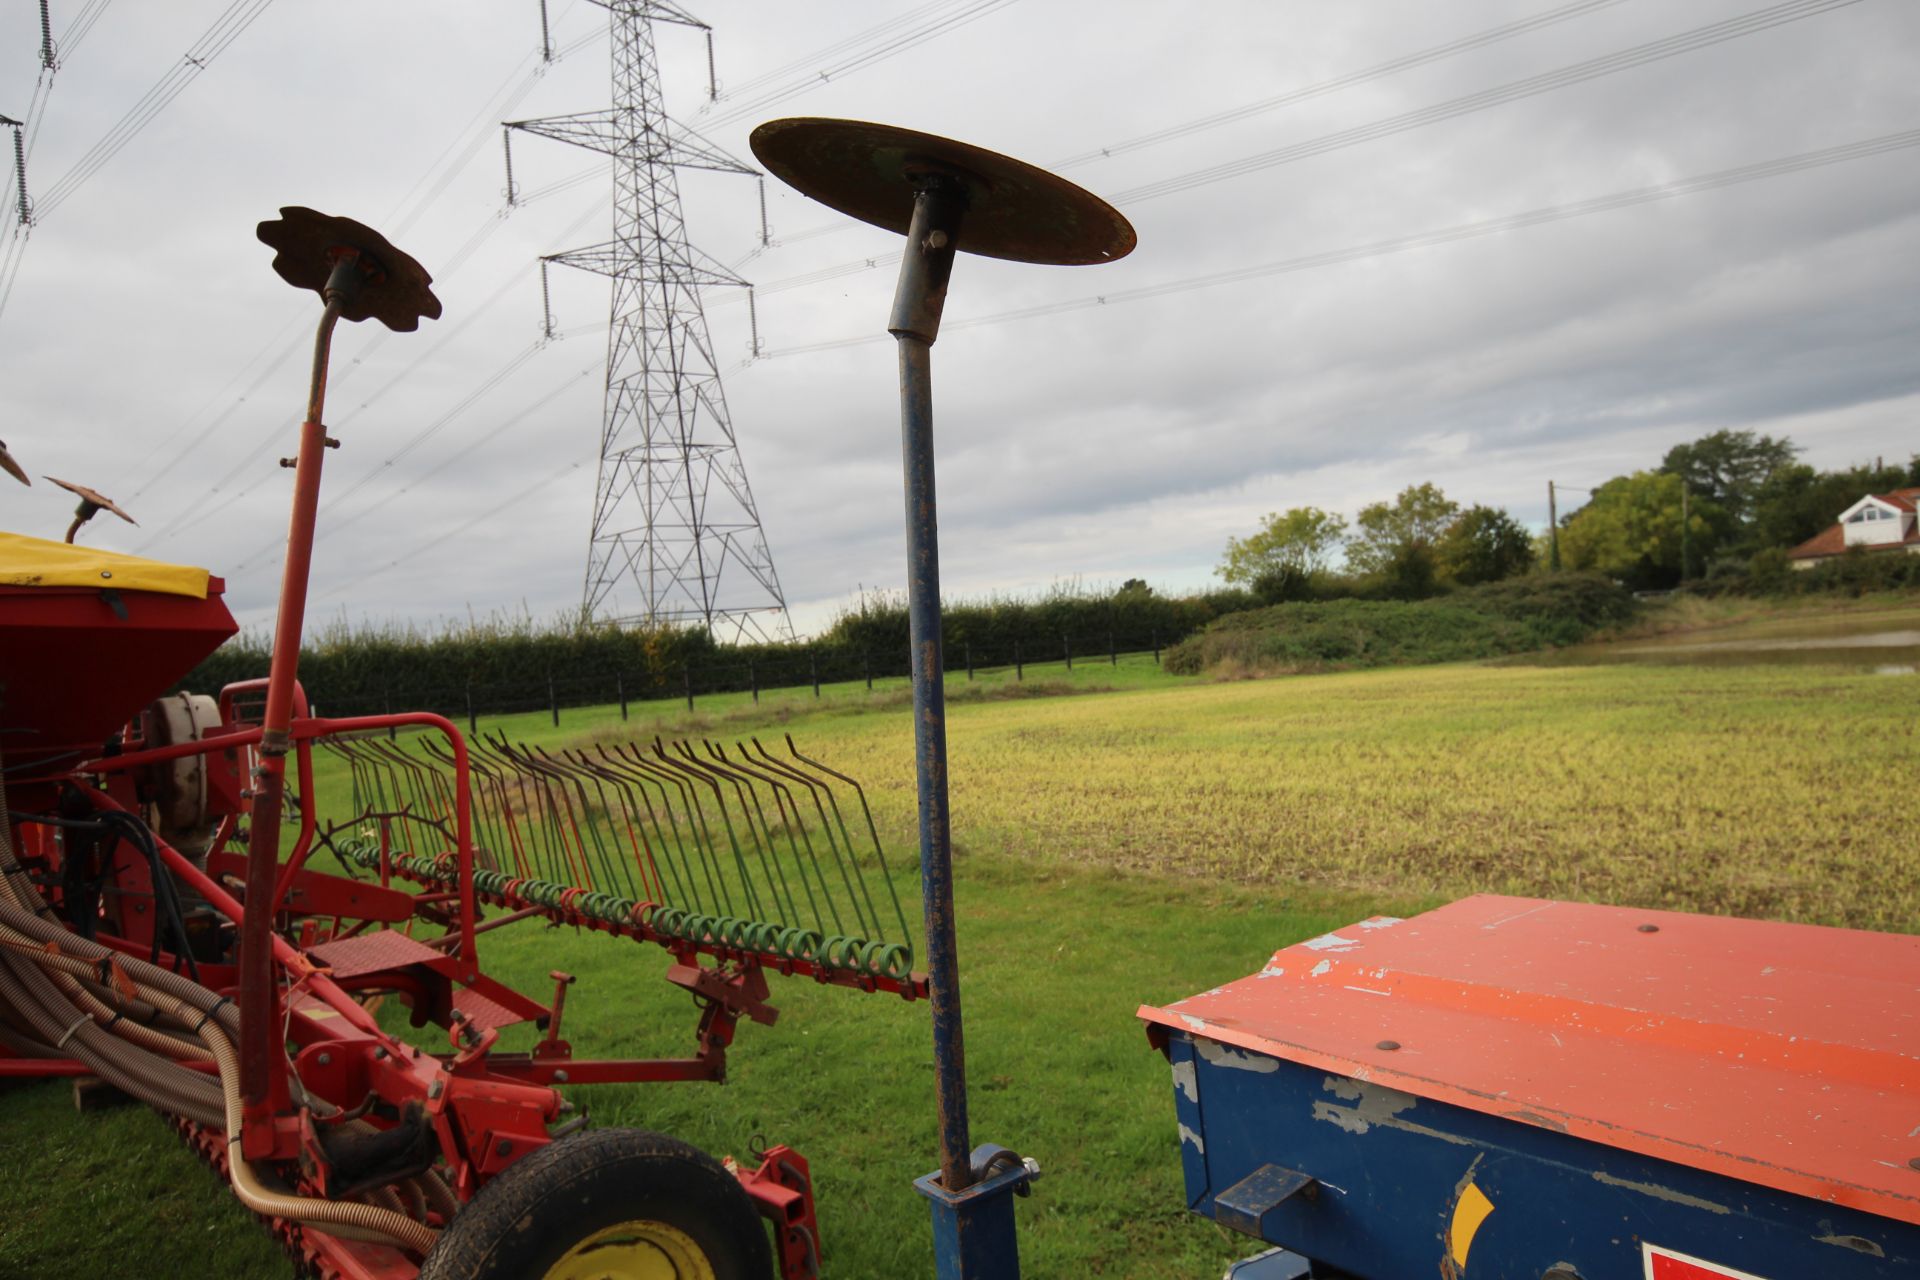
x=1830 y=541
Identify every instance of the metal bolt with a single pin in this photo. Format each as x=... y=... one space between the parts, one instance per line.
x=1914 y=1163
x=434 y=1090
x=289 y=463
x=106 y=573
x=379 y=1052
x=1649 y=928
x=1388 y=1045
x=325 y=1059
x=503 y=1148
x=1033 y=1168
x=559 y=1077
x=937 y=240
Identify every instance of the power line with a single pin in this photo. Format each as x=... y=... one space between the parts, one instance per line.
x=1639 y=55
x=1881 y=145
x=492 y=512
x=226 y=28
x=825 y=75
x=1379 y=71
x=1575 y=73
x=503 y=99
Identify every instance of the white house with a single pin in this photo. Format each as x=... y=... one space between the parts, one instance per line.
x=1878 y=522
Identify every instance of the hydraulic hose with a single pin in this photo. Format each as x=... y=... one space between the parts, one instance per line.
x=42 y=970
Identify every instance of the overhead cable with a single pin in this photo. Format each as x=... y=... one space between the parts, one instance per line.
x=1379 y=71
x=1881 y=145
x=1576 y=73
x=233 y=20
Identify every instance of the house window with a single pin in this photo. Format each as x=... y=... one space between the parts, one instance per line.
x=1856 y=517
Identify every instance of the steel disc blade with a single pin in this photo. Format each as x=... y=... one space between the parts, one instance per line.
x=1014 y=210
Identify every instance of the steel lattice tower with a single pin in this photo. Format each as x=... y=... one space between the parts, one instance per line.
x=673 y=515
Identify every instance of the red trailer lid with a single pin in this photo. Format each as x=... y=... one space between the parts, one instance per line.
x=1785 y=1055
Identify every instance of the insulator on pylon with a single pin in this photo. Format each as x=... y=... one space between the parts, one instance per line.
x=713 y=81
x=546 y=35
x=766 y=237
x=47 y=59
x=546 y=304
x=20 y=170
x=753 y=322
x=506 y=144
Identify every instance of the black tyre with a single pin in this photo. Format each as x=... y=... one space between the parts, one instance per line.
x=607 y=1203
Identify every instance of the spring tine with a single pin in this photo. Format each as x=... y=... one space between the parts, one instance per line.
x=571 y=775
x=781 y=801
x=576 y=869
x=493 y=811
x=671 y=832
x=873 y=832
x=445 y=781
x=691 y=819
x=684 y=894
x=498 y=772
x=486 y=831
x=536 y=798
x=643 y=855
x=751 y=808
x=695 y=776
x=523 y=801
x=486 y=818
x=421 y=800
x=814 y=786
x=688 y=760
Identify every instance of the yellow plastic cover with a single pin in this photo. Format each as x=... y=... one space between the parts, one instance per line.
x=36 y=562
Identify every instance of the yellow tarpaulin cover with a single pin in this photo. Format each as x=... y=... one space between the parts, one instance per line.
x=35 y=562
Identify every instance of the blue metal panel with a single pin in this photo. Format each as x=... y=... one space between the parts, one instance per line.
x=1412 y=1187
x=974 y=1236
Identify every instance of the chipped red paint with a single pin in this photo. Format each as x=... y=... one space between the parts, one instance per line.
x=1779 y=1054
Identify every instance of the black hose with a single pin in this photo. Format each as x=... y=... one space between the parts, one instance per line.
x=166 y=896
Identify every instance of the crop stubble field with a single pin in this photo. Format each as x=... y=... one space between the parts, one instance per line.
x=1134 y=844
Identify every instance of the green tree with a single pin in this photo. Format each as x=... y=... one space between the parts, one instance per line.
x=1294 y=544
x=1484 y=544
x=1386 y=532
x=1729 y=468
x=1631 y=530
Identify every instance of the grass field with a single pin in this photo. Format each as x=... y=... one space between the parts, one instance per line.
x=1144 y=839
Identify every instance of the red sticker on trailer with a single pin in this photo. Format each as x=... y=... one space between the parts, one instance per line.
x=1666 y=1264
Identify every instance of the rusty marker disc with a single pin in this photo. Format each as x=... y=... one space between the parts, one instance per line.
x=12 y=468
x=1014 y=210
x=92 y=500
x=395 y=291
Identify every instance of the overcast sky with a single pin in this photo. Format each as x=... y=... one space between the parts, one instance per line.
x=147 y=349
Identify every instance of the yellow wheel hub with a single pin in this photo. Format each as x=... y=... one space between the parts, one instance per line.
x=639 y=1250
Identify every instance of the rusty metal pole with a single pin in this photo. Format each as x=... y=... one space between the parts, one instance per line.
x=258 y=994
x=925 y=186
x=358 y=276
x=938 y=206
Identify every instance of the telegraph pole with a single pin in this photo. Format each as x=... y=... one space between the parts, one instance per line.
x=1553 y=530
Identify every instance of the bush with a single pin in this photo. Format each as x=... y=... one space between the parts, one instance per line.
x=1514 y=616
x=506 y=663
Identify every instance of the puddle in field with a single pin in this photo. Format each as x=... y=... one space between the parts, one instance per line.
x=1868 y=641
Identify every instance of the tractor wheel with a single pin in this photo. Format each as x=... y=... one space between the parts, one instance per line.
x=607 y=1204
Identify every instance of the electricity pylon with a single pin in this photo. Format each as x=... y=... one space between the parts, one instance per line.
x=674 y=519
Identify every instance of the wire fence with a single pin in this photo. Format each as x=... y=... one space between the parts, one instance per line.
x=798 y=672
